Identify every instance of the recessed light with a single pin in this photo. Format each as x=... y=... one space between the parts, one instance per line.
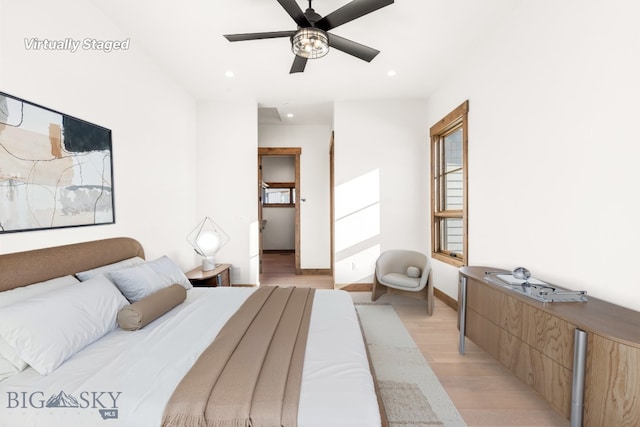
x=229 y=74
x=289 y=115
x=391 y=73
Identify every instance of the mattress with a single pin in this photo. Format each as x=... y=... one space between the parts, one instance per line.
x=126 y=378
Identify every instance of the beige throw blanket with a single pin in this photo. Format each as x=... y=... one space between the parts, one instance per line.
x=251 y=374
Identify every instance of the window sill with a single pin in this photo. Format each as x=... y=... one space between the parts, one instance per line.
x=448 y=259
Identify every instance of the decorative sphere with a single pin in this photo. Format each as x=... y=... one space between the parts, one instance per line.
x=521 y=273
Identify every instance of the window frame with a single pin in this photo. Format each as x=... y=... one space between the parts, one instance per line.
x=451 y=122
x=292 y=193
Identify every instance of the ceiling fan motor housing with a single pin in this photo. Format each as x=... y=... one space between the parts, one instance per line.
x=312 y=16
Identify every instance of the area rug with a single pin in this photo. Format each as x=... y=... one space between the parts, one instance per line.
x=411 y=393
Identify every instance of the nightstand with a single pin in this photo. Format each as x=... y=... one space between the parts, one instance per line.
x=219 y=276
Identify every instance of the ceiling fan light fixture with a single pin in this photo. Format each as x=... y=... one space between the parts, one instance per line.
x=310 y=43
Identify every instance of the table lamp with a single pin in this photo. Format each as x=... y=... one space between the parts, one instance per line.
x=207 y=238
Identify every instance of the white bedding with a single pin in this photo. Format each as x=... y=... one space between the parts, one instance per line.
x=131 y=375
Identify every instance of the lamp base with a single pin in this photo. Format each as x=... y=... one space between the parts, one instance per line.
x=208 y=263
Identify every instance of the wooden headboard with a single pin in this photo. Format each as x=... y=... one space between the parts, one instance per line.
x=24 y=268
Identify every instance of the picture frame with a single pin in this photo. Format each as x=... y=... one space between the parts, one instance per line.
x=56 y=170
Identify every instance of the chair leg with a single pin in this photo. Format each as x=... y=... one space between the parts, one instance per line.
x=430 y=296
x=378 y=289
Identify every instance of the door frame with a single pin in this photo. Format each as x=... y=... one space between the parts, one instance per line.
x=281 y=151
x=332 y=201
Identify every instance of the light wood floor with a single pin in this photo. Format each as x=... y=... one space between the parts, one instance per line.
x=280 y=269
x=484 y=392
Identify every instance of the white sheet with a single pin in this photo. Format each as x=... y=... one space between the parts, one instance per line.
x=145 y=366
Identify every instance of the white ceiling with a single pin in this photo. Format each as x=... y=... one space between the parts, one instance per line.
x=421 y=40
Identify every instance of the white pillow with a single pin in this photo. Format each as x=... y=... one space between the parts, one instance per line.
x=6 y=369
x=170 y=271
x=88 y=274
x=138 y=281
x=46 y=330
x=18 y=294
x=7 y=354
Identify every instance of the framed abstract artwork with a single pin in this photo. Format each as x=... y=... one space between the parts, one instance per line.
x=55 y=170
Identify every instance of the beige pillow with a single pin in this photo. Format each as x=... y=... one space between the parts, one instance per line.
x=141 y=313
x=413 y=271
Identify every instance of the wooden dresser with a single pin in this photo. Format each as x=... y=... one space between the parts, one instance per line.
x=537 y=342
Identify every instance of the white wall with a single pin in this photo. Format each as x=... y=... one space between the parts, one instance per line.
x=227 y=174
x=315 y=231
x=151 y=118
x=381 y=177
x=280 y=229
x=553 y=146
x=279 y=168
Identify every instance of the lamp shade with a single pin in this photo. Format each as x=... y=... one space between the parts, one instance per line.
x=209 y=242
x=207 y=238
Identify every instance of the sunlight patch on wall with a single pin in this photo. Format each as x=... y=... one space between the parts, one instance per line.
x=357 y=194
x=358 y=227
x=357 y=210
x=254 y=249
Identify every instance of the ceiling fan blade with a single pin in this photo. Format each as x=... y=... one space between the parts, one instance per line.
x=258 y=36
x=358 y=50
x=298 y=64
x=292 y=8
x=349 y=12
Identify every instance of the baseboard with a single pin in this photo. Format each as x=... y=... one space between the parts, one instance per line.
x=354 y=287
x=445 y=298
x=315 y=271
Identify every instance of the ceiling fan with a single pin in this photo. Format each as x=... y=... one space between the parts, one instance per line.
x=312 y=40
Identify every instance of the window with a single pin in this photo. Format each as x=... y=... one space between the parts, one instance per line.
x=279 y=194
x=449 y=187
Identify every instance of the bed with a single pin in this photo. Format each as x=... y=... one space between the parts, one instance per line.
x=126 y=378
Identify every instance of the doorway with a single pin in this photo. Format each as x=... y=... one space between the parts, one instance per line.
x=278 y=193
